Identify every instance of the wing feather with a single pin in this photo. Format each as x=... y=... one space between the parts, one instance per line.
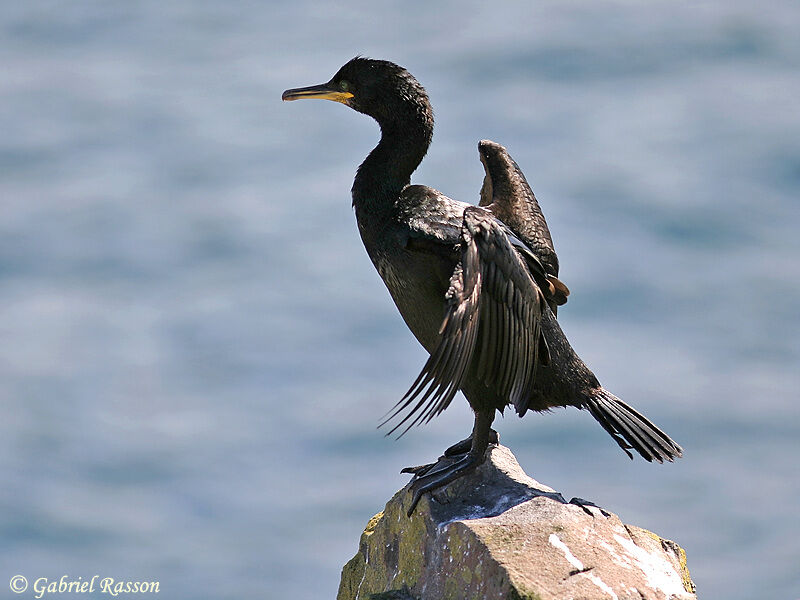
x=492 y=323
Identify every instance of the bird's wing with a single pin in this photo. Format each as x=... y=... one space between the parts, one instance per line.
x=507 y=194
x=430 y=216
x=493 y=307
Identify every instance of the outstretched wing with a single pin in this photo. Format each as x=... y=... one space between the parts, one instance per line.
x=492 y=321
x=508 y=196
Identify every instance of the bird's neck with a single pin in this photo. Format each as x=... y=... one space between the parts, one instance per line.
x=388 y=168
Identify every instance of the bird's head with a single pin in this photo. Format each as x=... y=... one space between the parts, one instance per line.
x=378 y=88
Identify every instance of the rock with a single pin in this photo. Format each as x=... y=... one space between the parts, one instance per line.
x=497 y=533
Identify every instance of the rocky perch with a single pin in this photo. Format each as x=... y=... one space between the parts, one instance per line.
x=497 y=533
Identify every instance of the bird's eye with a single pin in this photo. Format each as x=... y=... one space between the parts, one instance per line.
x=344 y=86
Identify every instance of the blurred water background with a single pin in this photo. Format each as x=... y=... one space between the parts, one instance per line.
x=196 y=350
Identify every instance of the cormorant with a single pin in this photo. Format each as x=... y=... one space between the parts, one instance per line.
x=477 y=285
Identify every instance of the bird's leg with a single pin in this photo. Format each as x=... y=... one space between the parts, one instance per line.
x=427 y=480
x=456 y=449
x=465 y=445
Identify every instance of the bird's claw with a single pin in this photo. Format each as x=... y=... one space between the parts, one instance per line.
x=433 y=479
x=457 y=450
x=585 y=506
x=419 y=470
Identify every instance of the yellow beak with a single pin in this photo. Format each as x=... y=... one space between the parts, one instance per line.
x=323 y=92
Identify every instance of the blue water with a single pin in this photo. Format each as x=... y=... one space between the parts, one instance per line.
x=196 y=350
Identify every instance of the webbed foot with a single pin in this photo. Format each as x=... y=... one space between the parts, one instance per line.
x=586 y=506
x=458 y=460
x=431 y=480
x=456 y=450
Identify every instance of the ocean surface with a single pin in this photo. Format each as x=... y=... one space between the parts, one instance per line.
x=196 y=350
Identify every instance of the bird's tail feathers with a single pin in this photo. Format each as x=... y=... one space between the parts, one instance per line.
x=630 y=429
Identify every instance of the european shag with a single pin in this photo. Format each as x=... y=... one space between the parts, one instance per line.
x=477 y=285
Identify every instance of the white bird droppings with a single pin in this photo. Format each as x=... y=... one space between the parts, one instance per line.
x=556 y=542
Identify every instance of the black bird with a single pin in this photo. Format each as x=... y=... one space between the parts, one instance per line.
x=474 y=284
